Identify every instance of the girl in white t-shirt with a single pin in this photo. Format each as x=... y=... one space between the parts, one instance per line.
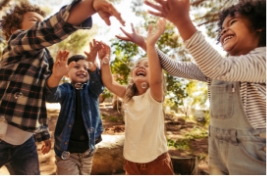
x=145 y=147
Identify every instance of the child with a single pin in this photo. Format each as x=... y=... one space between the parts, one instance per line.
x=237 y=84
x=79 y=124
x=23 y=69
x=145 y=146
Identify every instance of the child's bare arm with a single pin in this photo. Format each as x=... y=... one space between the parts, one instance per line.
x=155 y=70
x=87 y=8
x=107 y=78
x=176 y=12
x=60 y=68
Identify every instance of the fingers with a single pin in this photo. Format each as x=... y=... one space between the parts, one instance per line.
x=153 y=5
x=116 y=14
x=133 y=29
x=71 y=65
x=46 y=146
x=122 y=38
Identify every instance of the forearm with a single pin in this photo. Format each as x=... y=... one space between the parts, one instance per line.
x=187 y=70
x=185 y=27
x=154 y=65
x=109 y=82
x=232 y=68
x=80 y=12
x=53 y=81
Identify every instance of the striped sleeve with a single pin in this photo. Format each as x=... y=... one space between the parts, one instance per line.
x=180 y=69
x=248 y=68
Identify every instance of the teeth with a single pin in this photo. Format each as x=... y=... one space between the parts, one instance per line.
x=141 y=73
x=227 y=38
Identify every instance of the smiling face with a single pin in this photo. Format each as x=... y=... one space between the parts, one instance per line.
x=30 y=19
x=140 y=73
x=237 y=36
x=79 y=73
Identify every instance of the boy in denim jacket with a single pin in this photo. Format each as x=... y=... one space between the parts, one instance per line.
x=24 y=67
x=79 y=126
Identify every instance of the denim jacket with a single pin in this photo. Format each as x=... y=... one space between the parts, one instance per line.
x=65 y=94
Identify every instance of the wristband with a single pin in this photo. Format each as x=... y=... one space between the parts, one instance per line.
x=105 y=60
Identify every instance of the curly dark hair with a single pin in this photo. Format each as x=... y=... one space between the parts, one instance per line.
x=14 y=18
x=253 y=10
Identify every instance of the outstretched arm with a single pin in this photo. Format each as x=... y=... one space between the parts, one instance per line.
x=155 y=75
x=60 y=68
x=107 y=78
x=86 y=8
x=176 y=12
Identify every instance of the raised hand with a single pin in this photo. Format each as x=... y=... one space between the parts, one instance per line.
x=153 y=36
x=105 y=10
x=104 y=53
x=95 y=46
x=173 y=10
x=60 y=67
x=133 y=37
x=177 y=12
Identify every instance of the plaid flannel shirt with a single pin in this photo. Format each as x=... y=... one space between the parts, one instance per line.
x=24 y=67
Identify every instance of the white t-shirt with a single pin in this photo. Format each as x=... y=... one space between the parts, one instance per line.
x=144 y=129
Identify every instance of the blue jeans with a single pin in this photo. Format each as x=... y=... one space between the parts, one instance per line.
x=20 y=159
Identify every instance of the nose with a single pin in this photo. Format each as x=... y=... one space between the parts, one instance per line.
x=140 y=66
x=224 y=31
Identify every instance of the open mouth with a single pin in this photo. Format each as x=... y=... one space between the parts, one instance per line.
x=141 y=73
x=81 y=75
x=227 y=38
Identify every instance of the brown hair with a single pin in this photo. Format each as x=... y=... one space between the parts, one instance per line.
x=13 y=19
x=131 y=89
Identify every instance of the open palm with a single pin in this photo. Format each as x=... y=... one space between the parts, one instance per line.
x=153 y=36
x=60 y=67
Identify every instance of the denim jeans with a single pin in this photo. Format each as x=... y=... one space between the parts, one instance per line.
x=76 y=164
x=20 y=159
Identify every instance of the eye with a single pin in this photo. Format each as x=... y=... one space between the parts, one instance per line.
x=232 y=22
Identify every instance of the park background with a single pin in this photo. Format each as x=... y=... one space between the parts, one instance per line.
x=186 y=104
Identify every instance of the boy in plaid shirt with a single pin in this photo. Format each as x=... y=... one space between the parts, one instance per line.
x=24 y=67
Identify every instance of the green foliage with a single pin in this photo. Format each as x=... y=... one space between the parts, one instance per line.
x=106 y=93
x=184 y=143
x=75 y=43
x=197 y=91
x=124 y=53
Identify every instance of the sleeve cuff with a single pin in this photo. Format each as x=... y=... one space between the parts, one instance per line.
x=41 y=135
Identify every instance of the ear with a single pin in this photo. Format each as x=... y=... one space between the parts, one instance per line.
x=13 y=29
